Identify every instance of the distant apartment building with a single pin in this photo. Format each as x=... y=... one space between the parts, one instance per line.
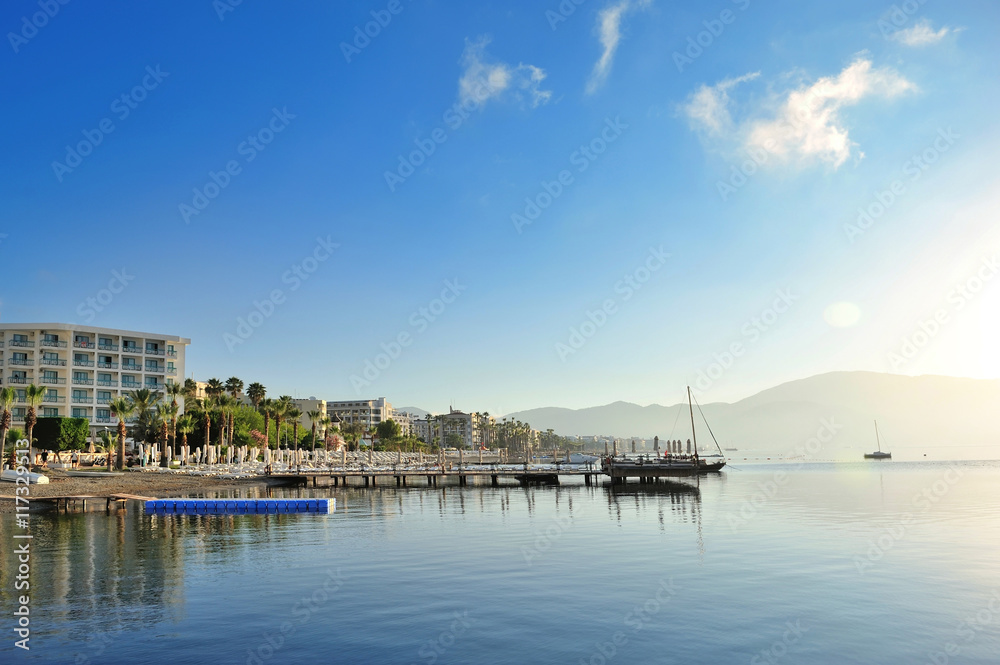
x=405 y=420
x=307 y=405
x=468 y=430
x=368 y=412
x=83 y=368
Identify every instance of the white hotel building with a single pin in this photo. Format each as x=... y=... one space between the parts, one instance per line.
x=83 y=368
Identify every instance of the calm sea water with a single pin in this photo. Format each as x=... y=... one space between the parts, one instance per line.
x=818 y=563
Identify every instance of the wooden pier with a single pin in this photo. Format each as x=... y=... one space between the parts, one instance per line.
x=64 y=502
x=433 y=477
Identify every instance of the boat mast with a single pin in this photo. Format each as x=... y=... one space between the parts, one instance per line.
x=877 y=442
x=694 y=436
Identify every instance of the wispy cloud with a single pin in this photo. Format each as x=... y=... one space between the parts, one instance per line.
x=609 y=31
x=806 y=124
x=921 y=34
x=708 y=107
x=483 y=80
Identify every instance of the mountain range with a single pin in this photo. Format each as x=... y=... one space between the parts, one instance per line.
x=922 y=417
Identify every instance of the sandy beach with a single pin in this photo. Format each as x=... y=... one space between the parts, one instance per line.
x=142 y=484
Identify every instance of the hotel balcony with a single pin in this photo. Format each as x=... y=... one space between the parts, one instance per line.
x=59 y=344
x=19 y=361
x=20 y=380
x=107 y=347
x=53 y=399
x=170 y=354
x=82 y=382
x=83 y=400
x=127 y=348
x=59 y=362
x=103 y=420
x=132 y=368
x=27 y=344
x=83 y=345
x=52 y=381
x=83 y=363
x=155 y=368
x=104 y=400
x=172 y=371
x=107 y=365
x=108 y=384
x=154 y=352
x=131 y=385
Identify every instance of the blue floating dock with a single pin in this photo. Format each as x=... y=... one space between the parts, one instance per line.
x=239 y=506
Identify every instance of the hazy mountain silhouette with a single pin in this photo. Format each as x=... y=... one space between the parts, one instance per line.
x=942 y=417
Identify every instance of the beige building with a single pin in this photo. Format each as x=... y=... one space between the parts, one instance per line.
x=368 y=412
x=472 y=429
x=83 y=368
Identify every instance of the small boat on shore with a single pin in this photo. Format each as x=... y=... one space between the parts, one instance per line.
x=11 y=476
x=878 y=454
x=94 y=474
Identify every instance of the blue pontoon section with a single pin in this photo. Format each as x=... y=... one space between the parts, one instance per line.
x=238 y=506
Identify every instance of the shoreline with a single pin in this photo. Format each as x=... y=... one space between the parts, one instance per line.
x=143 y=484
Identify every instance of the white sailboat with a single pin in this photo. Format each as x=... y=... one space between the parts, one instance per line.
x=878 y=454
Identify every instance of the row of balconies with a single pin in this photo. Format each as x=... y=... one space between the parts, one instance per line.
x=60 y=344
x=56 y=362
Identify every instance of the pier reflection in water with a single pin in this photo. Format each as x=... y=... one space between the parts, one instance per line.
x=543 y=573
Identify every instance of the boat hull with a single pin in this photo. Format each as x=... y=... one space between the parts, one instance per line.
x=659 y=468
x=34 y=478
x=878 y=455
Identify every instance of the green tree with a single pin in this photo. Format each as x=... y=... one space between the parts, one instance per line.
x=256 y=392
x=33 y=397
x=388 y=431
x=234 y=386
x=185 y=425
x=7 y=397
x=145 y=401
x=122 y=408
x=59 y=434
x=315 y=417
x=214 y=388
x=293 y=413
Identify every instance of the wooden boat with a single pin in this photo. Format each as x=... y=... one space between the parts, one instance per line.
x=878 y=454
x=94 y=474
x=670 y=464
x=11 y=476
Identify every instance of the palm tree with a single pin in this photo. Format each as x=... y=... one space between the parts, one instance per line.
x=314 y=417
x=267 y=406
x=185 y=425
x=293 y=413
x=227 y=405
x=190 y=391
x=122 y=408
x=279 y=408
x=214 y=388
x=7 y=397
x=234 y=386
x=145 y=401
x=206 y=410
x=33 y=396
x=256 y=392
x=325 y=422
x=173 y=391
x=162 y=416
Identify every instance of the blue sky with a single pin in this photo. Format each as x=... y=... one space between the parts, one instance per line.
x=745 y=158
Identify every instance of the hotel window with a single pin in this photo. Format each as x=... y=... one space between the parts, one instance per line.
x=103 y=377
x=104 y=413
x=80 y=376
x=152 y=346
x=20 y=412
x=105 y=341
x=20 y=374
x=51 y=393
x=49 y=375
x=50 y=413
x=20 y=338
x=19 y=356
x=79 y=413
x=80 y=394
x=48 y=355
x=131 y=346
x=83 y=339
x=49 y=337
x=103 y=394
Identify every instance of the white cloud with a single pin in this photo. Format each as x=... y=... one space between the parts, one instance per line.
x=806 y=124
x=921 y=34
x=609 y=22
x=483 y=80
x=709 y=105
